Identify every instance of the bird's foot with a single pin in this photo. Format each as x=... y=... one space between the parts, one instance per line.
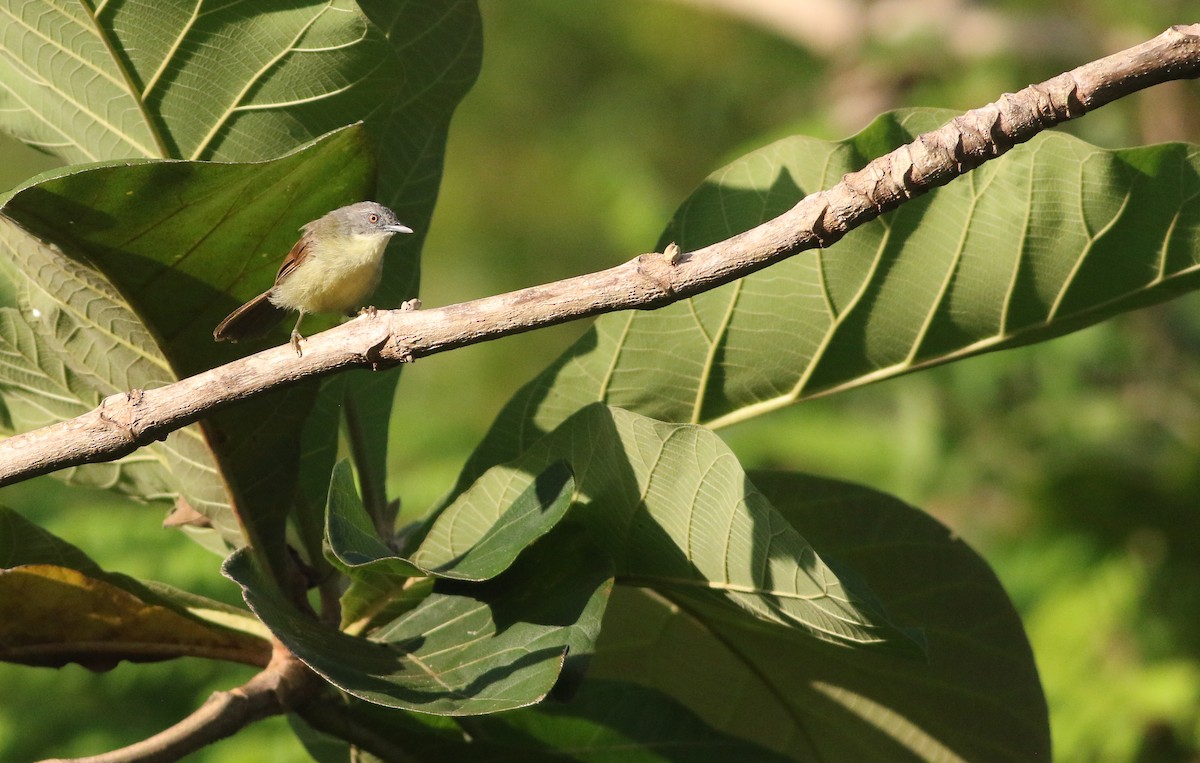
x=296 y=340
x=411 y=304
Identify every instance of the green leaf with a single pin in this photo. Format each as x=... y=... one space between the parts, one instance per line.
x=318 y=455
x=95 y=81
x=64 y=90
x=613 y=722
x=60 y=607
x=380 y=579
x=605 y=722
x=468 y=648
x=673 y=507
x=186 y=242
x=508 y=528
x=41 y=385
x=1055 y=235
x=72 y=340
x=976 y=698
x=248 y=82
x=172 y=239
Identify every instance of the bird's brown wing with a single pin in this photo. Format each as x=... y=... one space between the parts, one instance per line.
x=259 y=315
x=294 y=258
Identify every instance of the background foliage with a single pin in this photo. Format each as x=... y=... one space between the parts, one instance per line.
x=1071 y=465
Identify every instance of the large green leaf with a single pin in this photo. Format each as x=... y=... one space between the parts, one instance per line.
x=468 y=648
x=92 y=80
x=976 y=698
x=1054 y=235
x=674 y=509
x=249 y=82
x=605 y=722
x=171 y=240
x=60 y=607
x=40 y=384
x=71 y=340
x=188 y=241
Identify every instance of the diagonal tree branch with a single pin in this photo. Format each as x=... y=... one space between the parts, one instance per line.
x=126 y=421
x=284 y=685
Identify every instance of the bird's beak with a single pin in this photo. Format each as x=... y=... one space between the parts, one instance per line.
x=398 y=228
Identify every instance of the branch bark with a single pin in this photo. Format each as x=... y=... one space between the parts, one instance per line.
x=125 y=422
x=284 y=685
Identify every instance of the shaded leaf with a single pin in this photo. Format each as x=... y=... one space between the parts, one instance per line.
x=673 y=507
x=171 y=239
x=318 y=454
x=59 y=608
x=468 y=648
x=976 y=698
x=186 y=242
x=1054 y=235
x=605 y=722
x=22 y=542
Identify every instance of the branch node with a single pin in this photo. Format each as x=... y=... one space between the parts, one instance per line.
x=117 y=402
x=812 y=219
x=674 y=254
x=656 y=268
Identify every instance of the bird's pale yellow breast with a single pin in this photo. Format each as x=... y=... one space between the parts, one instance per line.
x=339 y=274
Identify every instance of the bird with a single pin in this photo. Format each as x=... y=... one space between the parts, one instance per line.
x=333 y=268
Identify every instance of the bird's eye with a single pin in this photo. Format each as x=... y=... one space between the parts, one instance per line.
x=374 y=218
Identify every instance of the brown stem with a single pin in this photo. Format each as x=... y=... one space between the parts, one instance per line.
x=126 y=421
x=282 y=686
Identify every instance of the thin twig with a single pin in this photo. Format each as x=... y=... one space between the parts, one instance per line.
x=126 y=421
x=282 y=686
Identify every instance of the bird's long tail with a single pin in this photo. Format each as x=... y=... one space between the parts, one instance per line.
x=250 y=321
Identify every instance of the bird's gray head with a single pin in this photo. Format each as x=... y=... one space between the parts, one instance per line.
x=368 y=217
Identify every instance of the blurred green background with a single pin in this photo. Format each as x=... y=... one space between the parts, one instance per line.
x=1073 y=466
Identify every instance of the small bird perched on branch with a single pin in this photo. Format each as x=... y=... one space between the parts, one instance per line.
x=333 y=268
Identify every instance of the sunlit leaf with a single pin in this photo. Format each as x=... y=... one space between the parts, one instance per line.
x=976 y=697
x=674 y=508
x=70 y=342
x=250 y=82
x=507 y=528
x=1055 y=235
x=95 y=81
